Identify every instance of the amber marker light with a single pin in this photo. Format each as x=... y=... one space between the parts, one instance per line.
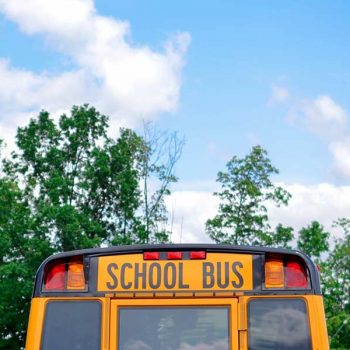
x=274 y=274
x=76 y=278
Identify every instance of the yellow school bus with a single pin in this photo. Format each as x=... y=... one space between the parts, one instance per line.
x=177 y=297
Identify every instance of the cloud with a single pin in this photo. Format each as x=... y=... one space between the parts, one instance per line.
x=126 y=81
x=66 y=20
x=340 y=151
x=189 y=210
x=327 y=120
x=324 y=117
x=323 y=202
x=279 y=94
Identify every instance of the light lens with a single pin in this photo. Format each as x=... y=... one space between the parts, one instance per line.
x=174 y=255
x=197 y=255
x=274 y=274
x=295 y=275
x=56 y=277
x=151 y=256
x=76 y=279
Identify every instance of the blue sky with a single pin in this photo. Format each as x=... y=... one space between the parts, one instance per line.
x=227 y=75
x=239 y=50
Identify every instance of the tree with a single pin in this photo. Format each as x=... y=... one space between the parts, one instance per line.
x=335 y=278
x=313 y=240
x=83 y=185
x=246 y=188
x=162 y=151
x=281 y=237
x=24 y=245
x=114 y=178
x=70 y=186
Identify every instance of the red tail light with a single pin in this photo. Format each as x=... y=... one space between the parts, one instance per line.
x=56 y=277
x=295 y=275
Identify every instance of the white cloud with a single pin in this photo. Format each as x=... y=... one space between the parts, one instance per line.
x=324 y=116
x=322 y=202
x=189 y=211
x=327 y=120
x=340 y=151
x=61 y=19
x=279 y=94
x=125 y=81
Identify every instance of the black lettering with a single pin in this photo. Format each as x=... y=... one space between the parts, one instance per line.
x=170 y=274
x=122 y=276
x=226 y=272
x=208 y=272
x=110 y=271
x=235 y=265
x=140 y=274
x=182 y=284
x=154 y=283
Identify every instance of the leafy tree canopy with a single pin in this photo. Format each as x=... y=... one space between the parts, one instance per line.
x=70 y=186
x=335 y=278
x=246 y=188
x=24 y=244
x=313 y=240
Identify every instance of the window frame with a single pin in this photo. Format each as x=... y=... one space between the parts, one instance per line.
x=231 y=303
x=281 y=298
x=73 y=301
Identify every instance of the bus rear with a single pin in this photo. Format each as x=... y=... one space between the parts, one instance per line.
x=177 y=297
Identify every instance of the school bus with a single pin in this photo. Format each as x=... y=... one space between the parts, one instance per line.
x=177 y=297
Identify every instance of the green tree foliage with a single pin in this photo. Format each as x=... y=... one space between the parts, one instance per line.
x=246 y=188
x=335 y=277
x=84 y=185
x=24 y=244
x=313 y=240
x=281 y=237
x=70 y=186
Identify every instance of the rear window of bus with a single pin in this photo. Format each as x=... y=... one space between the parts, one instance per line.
x=72 y=325
x=174 y=328
x=278 y=324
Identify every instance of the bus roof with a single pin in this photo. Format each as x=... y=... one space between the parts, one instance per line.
x=259 y=253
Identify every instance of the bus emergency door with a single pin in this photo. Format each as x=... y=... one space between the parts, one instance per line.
x=176 y=324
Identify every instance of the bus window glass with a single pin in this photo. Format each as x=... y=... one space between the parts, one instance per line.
x=72 y=325
x=278 y=325
x=184 y=328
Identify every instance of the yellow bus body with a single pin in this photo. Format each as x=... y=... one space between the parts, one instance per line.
x=115 y=298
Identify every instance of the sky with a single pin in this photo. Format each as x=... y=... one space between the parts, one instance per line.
x=227 y=75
